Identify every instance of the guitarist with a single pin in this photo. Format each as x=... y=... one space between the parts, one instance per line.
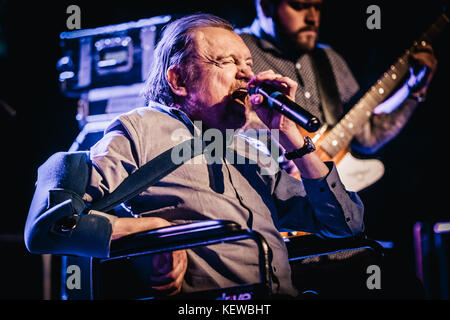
x=283 y=38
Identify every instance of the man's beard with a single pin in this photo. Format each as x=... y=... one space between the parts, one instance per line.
x=231 y=114
x=296 y=44
x=306 y=43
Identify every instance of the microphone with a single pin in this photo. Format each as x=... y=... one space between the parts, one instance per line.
x=275 y=99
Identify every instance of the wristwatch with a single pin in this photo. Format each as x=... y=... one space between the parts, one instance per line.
x=308 y=147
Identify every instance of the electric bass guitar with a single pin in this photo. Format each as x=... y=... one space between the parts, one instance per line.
x=333 y=144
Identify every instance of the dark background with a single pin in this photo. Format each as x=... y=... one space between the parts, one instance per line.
x=413 y=188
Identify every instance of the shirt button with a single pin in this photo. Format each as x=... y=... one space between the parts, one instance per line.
x=307 y=95
x=298 y=65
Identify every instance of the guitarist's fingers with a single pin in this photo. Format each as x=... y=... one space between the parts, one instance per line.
x=423 y=55
x=426 y=59
x=423 y=47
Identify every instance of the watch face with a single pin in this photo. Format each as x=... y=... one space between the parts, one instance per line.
x=309 y=144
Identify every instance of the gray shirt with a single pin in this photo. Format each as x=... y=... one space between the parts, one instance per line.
x=264 y=201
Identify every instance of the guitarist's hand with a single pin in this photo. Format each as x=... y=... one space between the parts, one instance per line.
x=422 y=57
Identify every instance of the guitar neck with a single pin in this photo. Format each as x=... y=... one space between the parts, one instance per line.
x=342 y=133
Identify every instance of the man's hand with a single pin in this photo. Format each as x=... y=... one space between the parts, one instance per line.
x=125 y=226
x=168 y=272
x=289 y=133
x=423 y=56
x=164 y=270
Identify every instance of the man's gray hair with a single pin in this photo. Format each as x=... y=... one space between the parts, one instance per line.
x=176 y=48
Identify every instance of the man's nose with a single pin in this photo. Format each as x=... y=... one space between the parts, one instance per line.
x=312 y=16
x=245 y=73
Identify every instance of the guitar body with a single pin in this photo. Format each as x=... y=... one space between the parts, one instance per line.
x=356 y=174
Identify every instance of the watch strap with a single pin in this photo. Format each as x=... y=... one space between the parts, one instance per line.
x=308 y=147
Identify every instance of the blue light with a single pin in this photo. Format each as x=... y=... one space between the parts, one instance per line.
x=398 y=97
x=66 y=75
x=394 y=101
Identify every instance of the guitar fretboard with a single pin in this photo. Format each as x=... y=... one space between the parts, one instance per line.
x=352 y=123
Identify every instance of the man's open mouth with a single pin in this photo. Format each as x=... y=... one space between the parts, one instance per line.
x=240 y=95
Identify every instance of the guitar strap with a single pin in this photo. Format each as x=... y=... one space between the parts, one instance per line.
x=331 y=103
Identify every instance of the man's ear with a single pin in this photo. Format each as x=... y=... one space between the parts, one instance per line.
x=175 y=82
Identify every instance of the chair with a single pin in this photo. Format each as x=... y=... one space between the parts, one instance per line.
x=335 y=268
x=310 y=258
x=102 y=275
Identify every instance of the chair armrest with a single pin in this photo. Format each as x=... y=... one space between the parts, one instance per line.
x=312 y=245
x=190 y=235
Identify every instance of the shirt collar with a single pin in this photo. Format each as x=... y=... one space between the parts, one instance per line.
x=266 y=42
x=178 y=114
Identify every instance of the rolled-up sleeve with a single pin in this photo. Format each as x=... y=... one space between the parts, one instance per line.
x=320 y=206
x=383 y=127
